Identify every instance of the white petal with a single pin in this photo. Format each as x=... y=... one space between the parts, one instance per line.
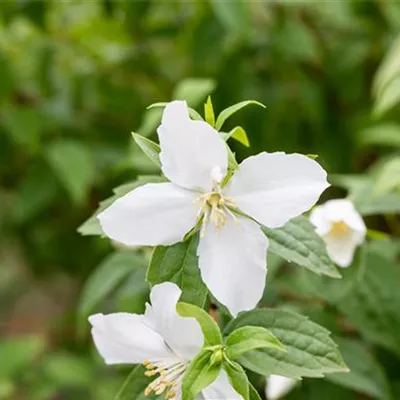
x=341 y=249
x=278 y=386
x=183 y=335
x=221 y=389
x=190 y=150
x=318 y=218
x=153 y=214
x=232 y=262
x=344 y=210
x=123 y=338
x=276 y=187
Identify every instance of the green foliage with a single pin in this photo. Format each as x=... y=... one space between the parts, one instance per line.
x=238 y=378
x=76 y=78
x=310 y=350
x=297 y=242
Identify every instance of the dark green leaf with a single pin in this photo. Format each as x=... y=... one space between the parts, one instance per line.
x=179 y=264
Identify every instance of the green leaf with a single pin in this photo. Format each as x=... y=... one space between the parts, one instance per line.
x=92 y=225
x=297 y=242
x=200 y=374
x=228 y=112
x=209 y=112
x=237 y=133
x=106 y=277
x=233 y=15
x=211 y=332
x=179 y=264
x=134 y=386
x=151 y=149
x=385 y=134
x=388 y=177
x=238 y=378
x=250 y=338
x=373 y=304
x=72 y=163
x=253 y=393
x=310 y=350
x=366 y=375
x=194 y=90
x=388 y=98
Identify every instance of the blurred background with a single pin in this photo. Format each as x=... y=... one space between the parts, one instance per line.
x=75 y=80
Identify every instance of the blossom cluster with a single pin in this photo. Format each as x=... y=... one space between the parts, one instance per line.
x=227 y=207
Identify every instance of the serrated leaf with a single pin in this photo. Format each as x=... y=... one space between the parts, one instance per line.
x=310 y=350
x=297 y=242
x=151 y=149
x=238 y=378
x=373 y=304
x=106 y=277
x=211 y=331
x=179 y=264
x=366 y=375
x=209 y=112
x=72 y=164
x=228 y=112
x=250 y=338
x=200 y=374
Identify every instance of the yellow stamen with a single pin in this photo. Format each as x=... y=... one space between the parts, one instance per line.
x=339 y=228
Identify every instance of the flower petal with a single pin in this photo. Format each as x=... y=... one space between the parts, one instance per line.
x=341 y=249
x=123 y=338
x=221 y=389
x=232 y=262
x=190 y=150
x=276 y=187
x=278 y=386
x=153 y=214
x=183 y=335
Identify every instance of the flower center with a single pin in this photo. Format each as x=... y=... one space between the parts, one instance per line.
x=339 y=228
x=168 y=381
x=214 y=208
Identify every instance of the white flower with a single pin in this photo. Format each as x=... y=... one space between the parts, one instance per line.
x=160 y=339
x=271 y=188
x=278 y=386
x=341 y=227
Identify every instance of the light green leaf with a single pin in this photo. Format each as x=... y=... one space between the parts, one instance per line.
x=211 y=332
x=179 y=264
x=310 y=350
x=385 y=134
x=151 y=149
x=228 y=112
x=193 y=90
x=151 y=120
x=72 y=163
x=253 y=393
x=366 y=375
x=92 y=225
x=200 y=374
x=237 y=133
x=209 y=112
x=238 y=378
x=297 y=242
x=106 y=278
x=388 y=177
x=250 y=338
x=388 y=98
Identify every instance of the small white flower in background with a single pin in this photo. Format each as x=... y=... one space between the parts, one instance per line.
x=271 y=188
x=160 y=339
x=341 y=227
x=278 y=386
